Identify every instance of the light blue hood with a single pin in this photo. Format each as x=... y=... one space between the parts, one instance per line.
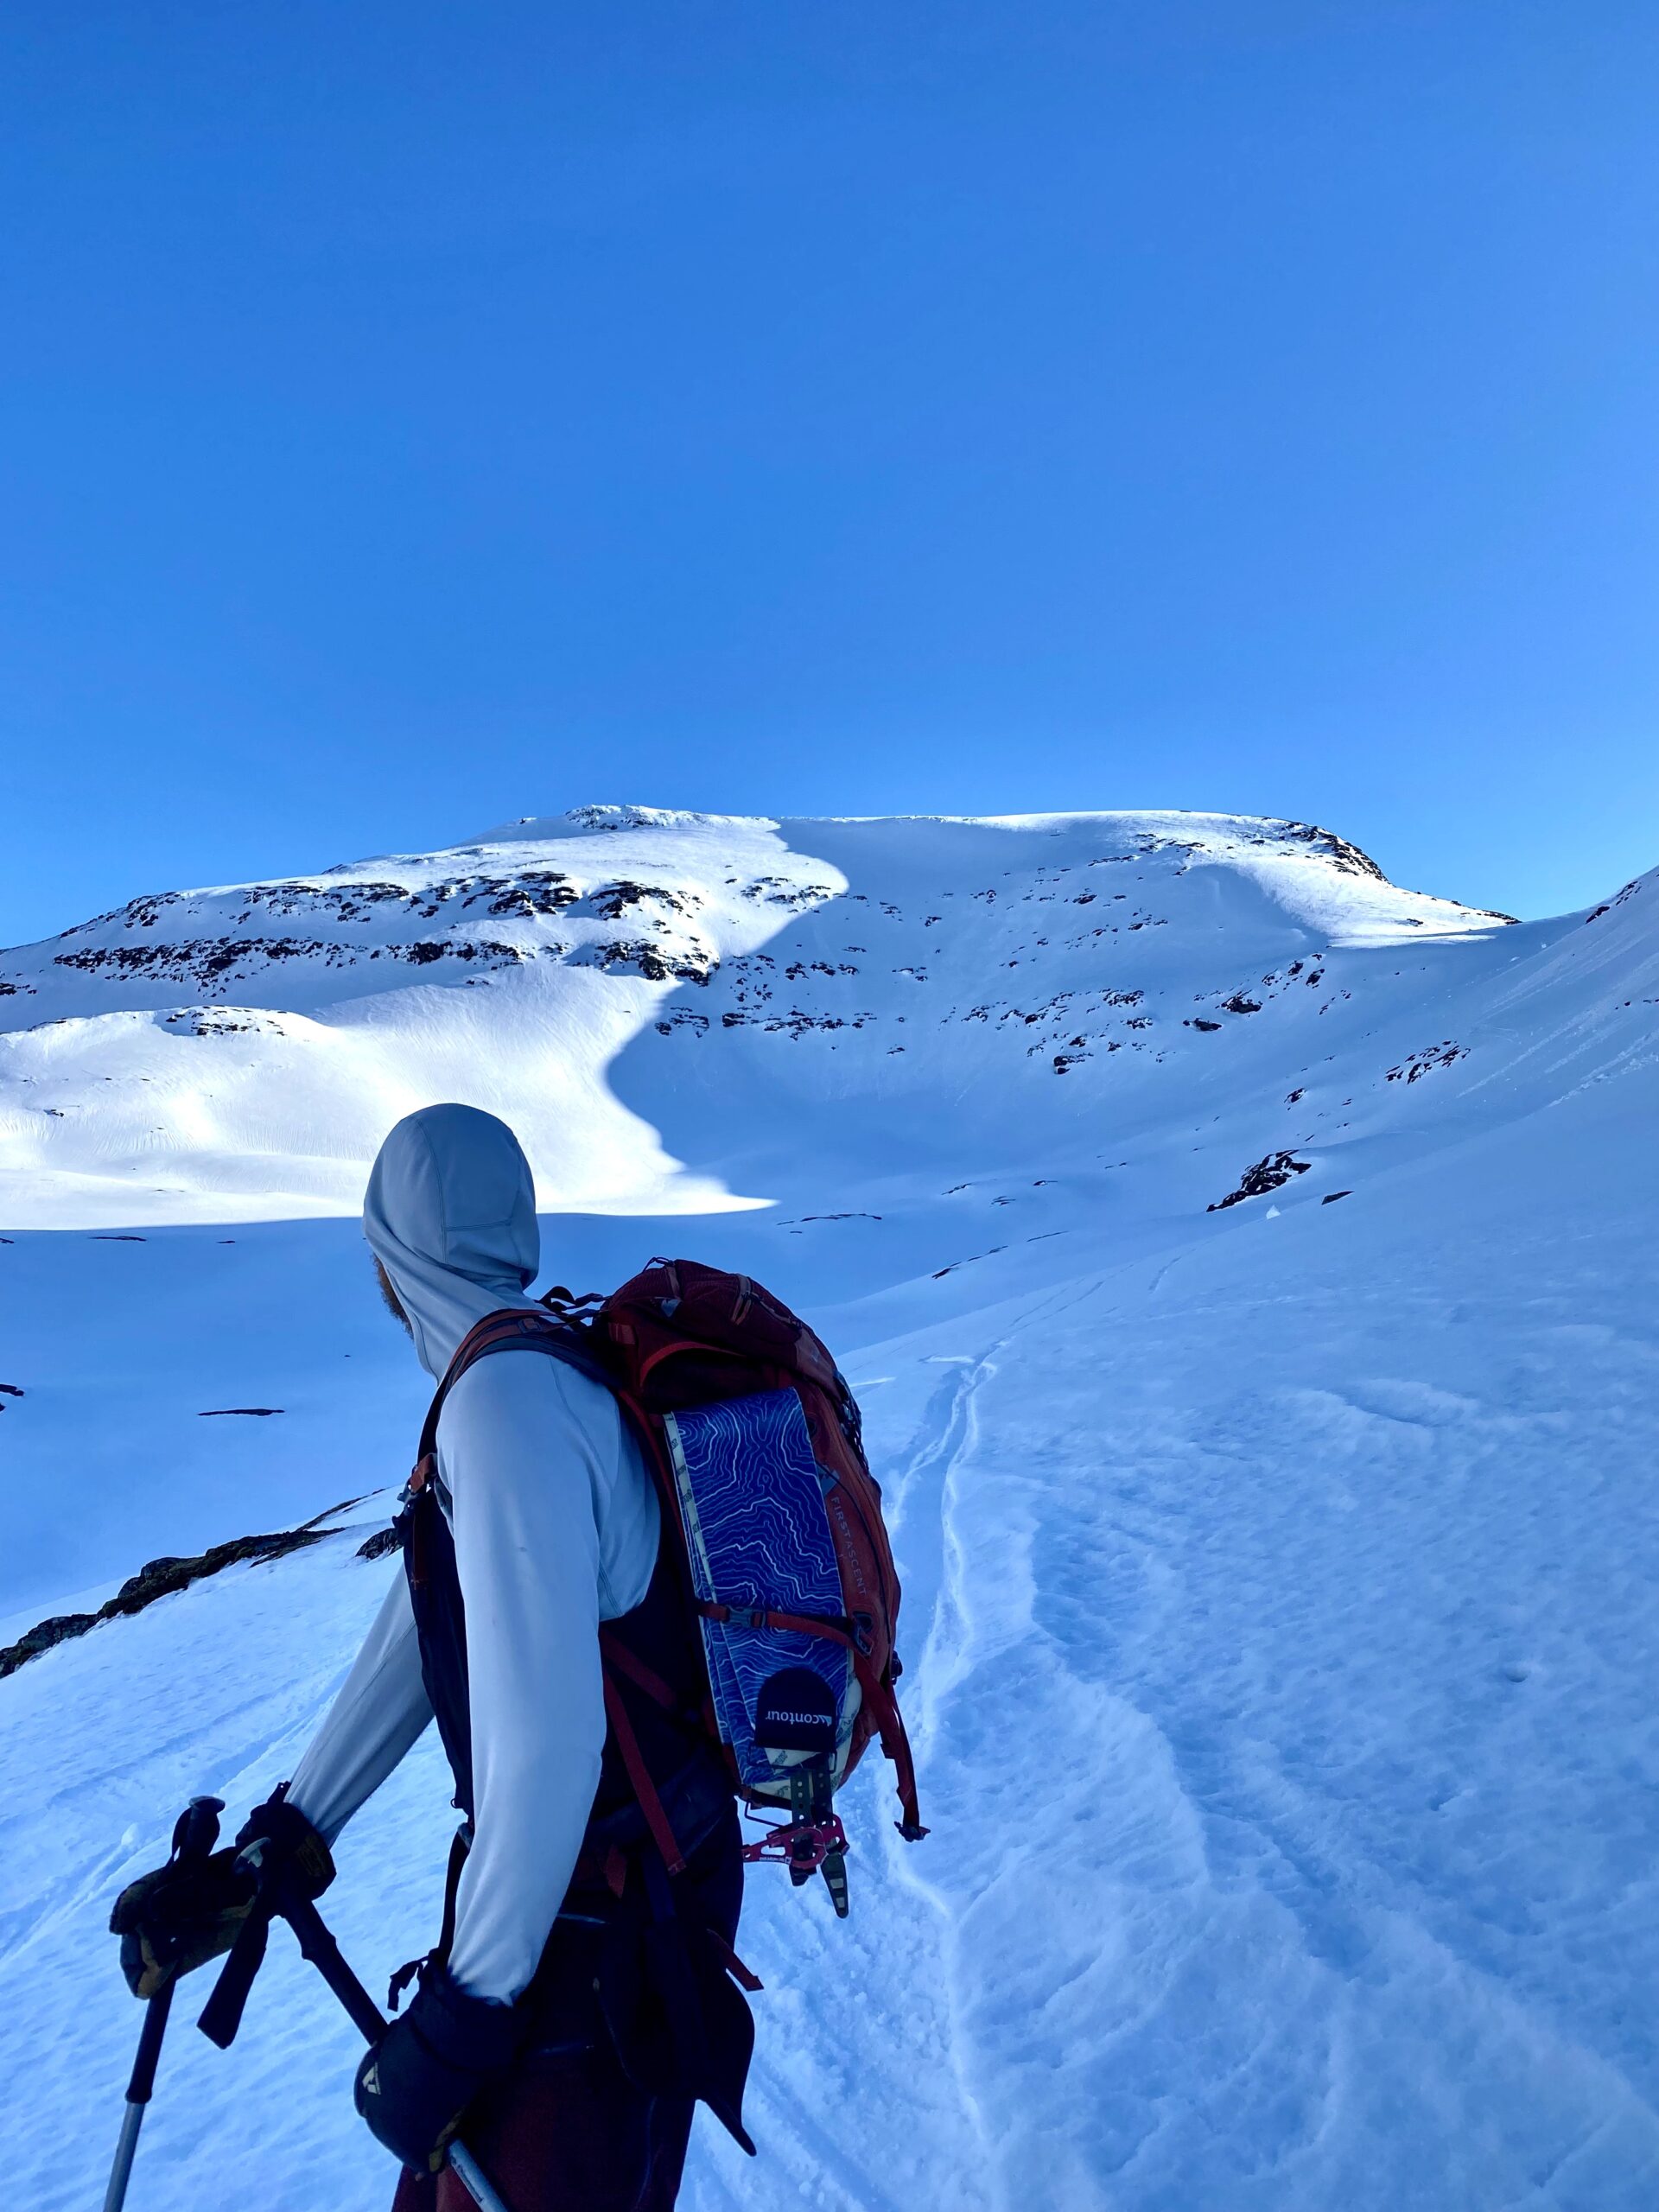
x=450 y=1213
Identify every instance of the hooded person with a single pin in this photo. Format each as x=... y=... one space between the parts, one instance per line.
x=550 y=1526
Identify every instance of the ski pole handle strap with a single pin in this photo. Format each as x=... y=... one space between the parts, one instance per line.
x=222 y=2016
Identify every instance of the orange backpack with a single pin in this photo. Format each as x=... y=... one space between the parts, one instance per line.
x=753 y=1439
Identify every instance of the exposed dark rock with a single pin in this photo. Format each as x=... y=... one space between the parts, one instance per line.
x=197 y=960
x=1432 y=1056
x=1270 y=1174
x=1619 y=899
x=607 y=817
x=939 y=1274
x=657 y=966
x=613 y=900
x=222 y=1413
x=204 y=960
x=539 y=891
x=221 y=1021
x=382 y=1542
x=1239 y=1004
x=779 y=891
x=1347 y=857
x=160 y=1577
x=1331 y=1197
x=425 y=950
x=41 y=1638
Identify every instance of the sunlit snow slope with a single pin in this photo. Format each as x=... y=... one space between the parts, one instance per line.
x=230 y=1054
x=1278 y=1617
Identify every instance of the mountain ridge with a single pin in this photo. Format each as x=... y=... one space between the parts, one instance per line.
x=530 y=960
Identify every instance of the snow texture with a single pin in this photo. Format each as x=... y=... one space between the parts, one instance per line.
x=1279 y=1616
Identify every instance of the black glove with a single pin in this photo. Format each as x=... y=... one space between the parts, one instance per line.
x=178 y=1918
x=416 y=2084
x=182 y=1915
x=280 y=1844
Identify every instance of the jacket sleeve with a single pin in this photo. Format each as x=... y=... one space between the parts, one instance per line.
x=381 y=1710
x=530 y=1451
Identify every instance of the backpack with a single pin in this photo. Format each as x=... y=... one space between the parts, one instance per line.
x=776 y=1558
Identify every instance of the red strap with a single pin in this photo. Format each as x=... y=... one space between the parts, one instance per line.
x=639 y=1778
x=513 y=1324
x=744 y=1975
x=617 y=1655
x=764 y=1616
x=878 y=1696
x=882 y=1704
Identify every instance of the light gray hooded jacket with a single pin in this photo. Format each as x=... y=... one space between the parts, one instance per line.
x=556 y=1525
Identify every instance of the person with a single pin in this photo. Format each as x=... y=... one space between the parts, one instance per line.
x=550 y=2017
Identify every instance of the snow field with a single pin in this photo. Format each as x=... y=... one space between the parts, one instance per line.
x=1279 y=1608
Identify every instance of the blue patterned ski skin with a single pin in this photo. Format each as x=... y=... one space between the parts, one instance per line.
x=757 y=1535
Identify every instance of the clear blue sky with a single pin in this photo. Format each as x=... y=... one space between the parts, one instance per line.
x=416 y=414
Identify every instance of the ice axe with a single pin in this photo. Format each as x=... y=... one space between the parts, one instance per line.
x=194 y=1834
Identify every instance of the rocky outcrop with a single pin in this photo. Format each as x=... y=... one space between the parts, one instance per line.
x=161 y=1577
x=1270 y=1174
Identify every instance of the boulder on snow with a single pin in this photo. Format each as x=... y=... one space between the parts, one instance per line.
x=1270 y=1174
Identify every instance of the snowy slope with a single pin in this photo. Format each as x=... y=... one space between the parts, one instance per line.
x=1278 y=1618
x=229 y=1054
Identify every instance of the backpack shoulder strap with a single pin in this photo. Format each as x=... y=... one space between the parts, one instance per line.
x=512 y=1329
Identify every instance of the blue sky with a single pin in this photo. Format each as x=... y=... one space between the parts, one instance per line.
x=416 y=415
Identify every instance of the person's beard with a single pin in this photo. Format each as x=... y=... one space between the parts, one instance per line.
x=394 y=1305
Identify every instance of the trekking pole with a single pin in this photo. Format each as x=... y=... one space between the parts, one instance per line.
x=194 y=1834
x=222 y=2015
x=319 y=1947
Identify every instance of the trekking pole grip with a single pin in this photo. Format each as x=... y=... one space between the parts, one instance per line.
x=194 y=1833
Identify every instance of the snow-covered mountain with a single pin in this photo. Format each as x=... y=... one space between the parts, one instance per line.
x=216 y=1054
x=1247 y=1270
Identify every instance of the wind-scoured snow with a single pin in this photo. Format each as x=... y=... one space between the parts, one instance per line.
x=1279 y=1611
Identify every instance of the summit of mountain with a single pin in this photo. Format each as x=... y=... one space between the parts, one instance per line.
x=608 y=979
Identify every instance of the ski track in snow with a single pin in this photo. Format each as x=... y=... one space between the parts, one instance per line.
x=1278 y=1584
